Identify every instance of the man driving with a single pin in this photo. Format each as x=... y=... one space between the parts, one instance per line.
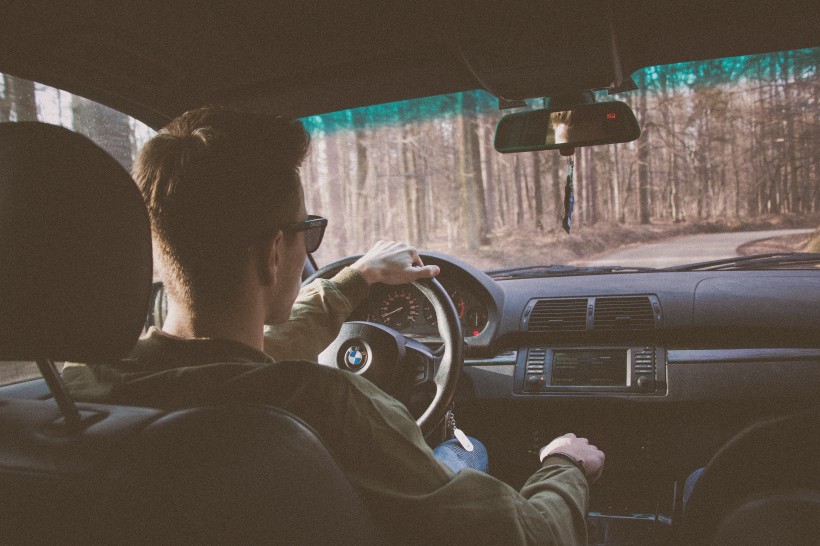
x=231 y=235
x=322 y=306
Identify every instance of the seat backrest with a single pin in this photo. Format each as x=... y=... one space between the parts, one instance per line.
x=217 y=475
x=766 y=467
x=75 y=259
x=789 y=517
x=75 y=248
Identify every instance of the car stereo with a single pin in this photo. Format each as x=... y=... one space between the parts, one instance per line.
x=574 y=369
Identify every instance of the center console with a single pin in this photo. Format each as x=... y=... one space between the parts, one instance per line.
x=638 y=370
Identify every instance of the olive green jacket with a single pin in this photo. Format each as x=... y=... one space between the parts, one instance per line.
x=372 y=435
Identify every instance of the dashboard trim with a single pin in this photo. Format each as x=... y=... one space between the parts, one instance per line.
x=696 y=356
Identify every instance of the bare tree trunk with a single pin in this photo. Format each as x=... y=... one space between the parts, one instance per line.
x=591 y=187
x=360 y=209
x=107 y=127
x=488 y=175
x=333 y=201
x=471 y=186
x=479 y=202
x=519 y=198
x=793 y=174
x=643 y=154
x=6 y=100
x=615 y=204
x=538 y=190
x=425 y=201
x=503 y=191
x=409 y=177
x=23 y=99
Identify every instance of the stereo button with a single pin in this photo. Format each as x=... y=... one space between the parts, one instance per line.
x=645 y=383
x=533 y=382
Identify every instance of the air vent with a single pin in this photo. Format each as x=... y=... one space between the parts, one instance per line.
x=559 y=315
x=624 y=314
x=535 y=360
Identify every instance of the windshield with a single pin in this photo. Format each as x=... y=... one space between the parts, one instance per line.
x=727 y=165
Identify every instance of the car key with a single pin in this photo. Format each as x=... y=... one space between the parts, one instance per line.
x=462 y=439
x=458 y=433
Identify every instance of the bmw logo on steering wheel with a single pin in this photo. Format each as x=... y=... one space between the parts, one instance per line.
x=355 y=358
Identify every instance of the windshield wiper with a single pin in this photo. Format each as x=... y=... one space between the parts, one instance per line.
x=774 y=260
x=534 y=271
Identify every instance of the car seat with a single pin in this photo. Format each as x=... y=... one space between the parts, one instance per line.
x=762 y=487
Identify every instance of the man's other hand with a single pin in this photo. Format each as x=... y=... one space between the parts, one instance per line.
x=581 y=450
x=390 y=262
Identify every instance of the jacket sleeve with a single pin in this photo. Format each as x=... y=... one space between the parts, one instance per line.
x=559 y=491
x=317 y=315
x=475 y=508
x=389 y=462
x=415 y=498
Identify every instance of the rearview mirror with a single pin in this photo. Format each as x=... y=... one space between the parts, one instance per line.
x=552 y=129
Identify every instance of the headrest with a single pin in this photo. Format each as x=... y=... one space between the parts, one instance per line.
x=75 y=248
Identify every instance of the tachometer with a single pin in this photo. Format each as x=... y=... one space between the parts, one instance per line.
x=398 y=309
x=458 y=303
x=471 y=312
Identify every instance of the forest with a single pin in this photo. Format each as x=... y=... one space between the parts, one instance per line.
x=724 y=142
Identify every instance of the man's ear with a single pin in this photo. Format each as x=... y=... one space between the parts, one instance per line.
x=269 y=258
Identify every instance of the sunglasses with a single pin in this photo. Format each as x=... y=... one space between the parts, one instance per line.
x=314 y=228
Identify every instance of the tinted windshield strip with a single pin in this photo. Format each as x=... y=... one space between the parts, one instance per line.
x=498 y=360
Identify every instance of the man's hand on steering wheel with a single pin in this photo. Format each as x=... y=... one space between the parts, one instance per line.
x=390 y=262
x=399 y=365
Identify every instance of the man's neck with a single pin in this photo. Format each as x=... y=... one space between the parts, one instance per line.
x=237 y=323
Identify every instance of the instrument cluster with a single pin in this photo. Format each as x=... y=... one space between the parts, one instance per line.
x=404 y=309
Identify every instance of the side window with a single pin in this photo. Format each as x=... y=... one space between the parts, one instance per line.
x=14 y=372
x=118 y=134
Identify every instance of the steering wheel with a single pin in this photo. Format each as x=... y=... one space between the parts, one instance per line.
x=398 y=365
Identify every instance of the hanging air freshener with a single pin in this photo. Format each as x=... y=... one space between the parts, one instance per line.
x=569 y=195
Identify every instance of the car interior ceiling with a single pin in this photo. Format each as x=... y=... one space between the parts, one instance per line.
x=305 y=61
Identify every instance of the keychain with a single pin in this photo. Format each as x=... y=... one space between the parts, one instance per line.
x=458 y=433
x=569 y=189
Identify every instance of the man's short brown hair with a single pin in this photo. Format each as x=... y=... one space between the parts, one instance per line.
x=214 y=181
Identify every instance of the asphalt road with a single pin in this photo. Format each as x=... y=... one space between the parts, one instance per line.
x=689 y=249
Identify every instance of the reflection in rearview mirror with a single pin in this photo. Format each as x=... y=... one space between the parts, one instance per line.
x=583 y=125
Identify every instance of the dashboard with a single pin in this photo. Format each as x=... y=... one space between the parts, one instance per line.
x=660 y=369
x=663 y=336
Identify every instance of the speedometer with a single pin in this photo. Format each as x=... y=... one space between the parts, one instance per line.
x=398 y=309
